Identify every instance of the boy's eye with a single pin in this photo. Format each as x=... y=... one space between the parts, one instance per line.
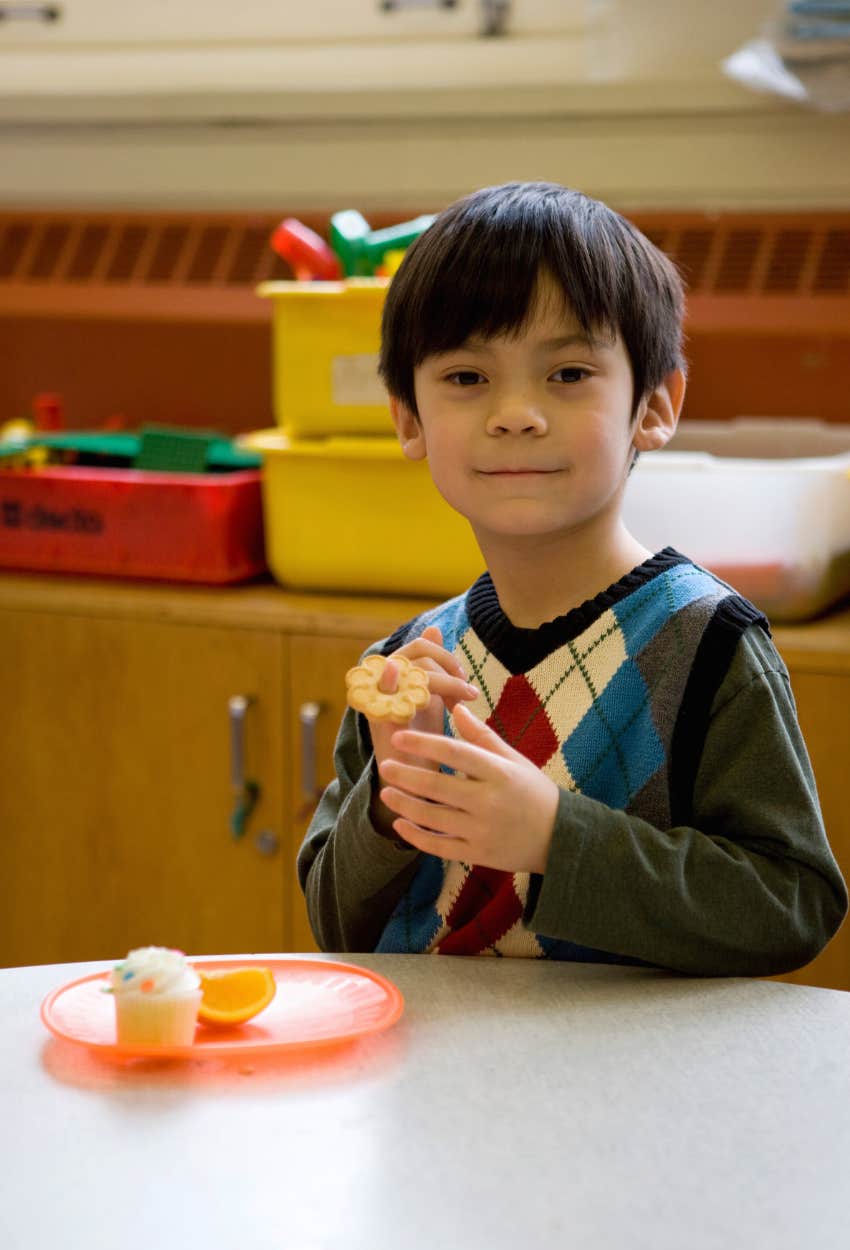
x=465 y=377
x=570 y=373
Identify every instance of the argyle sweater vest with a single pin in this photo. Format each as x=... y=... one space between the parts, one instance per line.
x=611 y=701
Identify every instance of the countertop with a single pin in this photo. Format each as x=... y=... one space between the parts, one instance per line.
x=515 y=1103
x=824 y=642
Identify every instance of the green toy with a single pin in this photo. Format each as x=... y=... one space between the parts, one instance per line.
x=167 y=449
x=361 y=250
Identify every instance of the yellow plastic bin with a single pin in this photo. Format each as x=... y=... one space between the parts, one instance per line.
x=325 y=342
x=354 y=515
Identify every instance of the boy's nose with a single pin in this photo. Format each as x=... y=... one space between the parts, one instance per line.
x=516 y=414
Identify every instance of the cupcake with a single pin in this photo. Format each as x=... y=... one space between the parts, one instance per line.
x=157 y=996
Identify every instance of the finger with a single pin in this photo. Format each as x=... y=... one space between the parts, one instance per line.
x=441 y=845
x=465 y=757
x=423 y=648
x=430 y=817
x=474 y=730
x=452 y=690
x=388 y=681
x=447 y=788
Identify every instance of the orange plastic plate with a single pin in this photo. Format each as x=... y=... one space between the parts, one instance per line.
x=317 y=1003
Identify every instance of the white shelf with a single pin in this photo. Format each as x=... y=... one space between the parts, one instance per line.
x=632 y=106
x=578 y=57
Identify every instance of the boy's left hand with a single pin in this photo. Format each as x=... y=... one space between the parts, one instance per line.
x=497 y=809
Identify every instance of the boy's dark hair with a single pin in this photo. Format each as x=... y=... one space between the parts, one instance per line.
x=475 y=269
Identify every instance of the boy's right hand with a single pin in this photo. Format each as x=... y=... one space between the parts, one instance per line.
x=448 y=685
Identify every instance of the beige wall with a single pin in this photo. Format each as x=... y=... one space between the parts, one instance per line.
x=635 y=109
x=775 y=160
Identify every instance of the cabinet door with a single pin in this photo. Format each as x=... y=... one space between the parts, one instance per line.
x=823 y=709
x=317 y=702
x=116 y=800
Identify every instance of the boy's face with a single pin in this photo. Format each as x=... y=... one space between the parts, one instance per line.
x=530 y=435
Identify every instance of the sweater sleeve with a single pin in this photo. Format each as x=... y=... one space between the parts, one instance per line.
x=351 y=875
x=749 y=887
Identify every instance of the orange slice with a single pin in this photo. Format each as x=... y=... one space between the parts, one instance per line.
x=234 y=995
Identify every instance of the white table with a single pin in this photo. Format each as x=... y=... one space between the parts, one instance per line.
x=515 y=1104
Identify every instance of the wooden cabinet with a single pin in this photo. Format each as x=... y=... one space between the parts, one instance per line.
x=117 y=752
x=116 y=788
x=823 y=706
x=317 y=702
x=818 y=659
x=116 y=803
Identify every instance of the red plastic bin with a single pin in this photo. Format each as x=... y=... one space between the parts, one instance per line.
x=188 y=527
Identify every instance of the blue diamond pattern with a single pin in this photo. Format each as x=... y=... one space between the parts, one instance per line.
x=615 y=748
x=415 y=922
x=611 y=755
x=648 y=609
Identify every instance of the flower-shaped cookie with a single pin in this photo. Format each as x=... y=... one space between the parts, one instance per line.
x=364 y=695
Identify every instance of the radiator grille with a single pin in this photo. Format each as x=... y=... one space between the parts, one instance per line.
x=733 y=256
x=762 y=258
x=767 y=325
x=136 y=252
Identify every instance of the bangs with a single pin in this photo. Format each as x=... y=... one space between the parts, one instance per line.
x=467 y=290
x=476 y=273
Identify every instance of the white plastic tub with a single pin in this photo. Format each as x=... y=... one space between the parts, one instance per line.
x=764 y=504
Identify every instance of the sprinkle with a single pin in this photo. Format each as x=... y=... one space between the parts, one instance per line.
x=127 y=976
x=146 y=986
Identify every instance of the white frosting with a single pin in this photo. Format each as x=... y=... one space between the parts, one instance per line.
x=154 y=970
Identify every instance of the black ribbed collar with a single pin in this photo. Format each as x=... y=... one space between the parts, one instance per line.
x=520 y=649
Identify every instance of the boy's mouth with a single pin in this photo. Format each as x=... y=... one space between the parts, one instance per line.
x=517 y=472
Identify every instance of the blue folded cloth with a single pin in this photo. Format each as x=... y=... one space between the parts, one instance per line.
x=820 y=8
x=813 y=29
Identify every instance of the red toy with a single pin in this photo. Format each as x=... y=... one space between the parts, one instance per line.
x=306 y=252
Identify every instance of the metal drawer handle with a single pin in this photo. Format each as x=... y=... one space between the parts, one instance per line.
x=245 y=791
x=308 y=715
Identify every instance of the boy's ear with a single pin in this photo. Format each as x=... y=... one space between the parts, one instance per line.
x=658 y=414
x=409 y=430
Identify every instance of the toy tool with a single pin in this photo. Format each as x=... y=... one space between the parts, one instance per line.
x=305 y=251
x=166 y=449
x=362 y=250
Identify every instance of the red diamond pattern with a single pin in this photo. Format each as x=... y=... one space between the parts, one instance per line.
x=520 y=718
x=485 y=909
x=488 y=905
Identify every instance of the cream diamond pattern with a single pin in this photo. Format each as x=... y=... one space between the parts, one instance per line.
x=560 y=683
x=485 y=672
x=557 y=769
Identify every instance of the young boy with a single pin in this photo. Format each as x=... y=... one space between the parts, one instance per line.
x=610 y=767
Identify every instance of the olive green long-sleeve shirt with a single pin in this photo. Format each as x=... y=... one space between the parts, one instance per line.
x=747 y=885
